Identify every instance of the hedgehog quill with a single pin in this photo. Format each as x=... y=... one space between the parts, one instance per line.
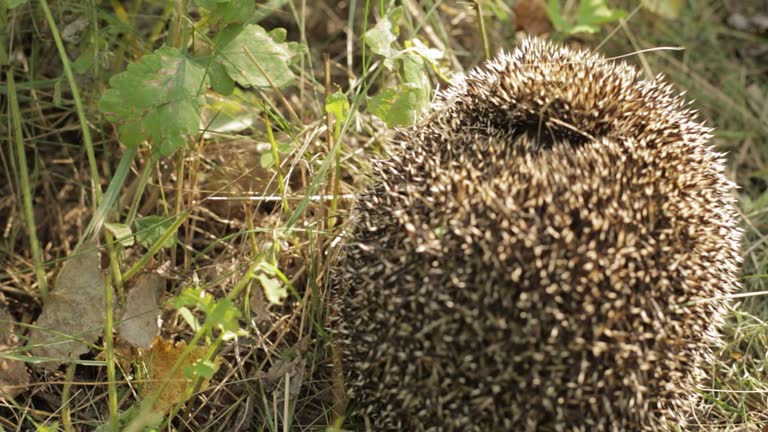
x=550 y=248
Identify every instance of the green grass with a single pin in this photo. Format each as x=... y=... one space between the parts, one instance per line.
x=254 y=213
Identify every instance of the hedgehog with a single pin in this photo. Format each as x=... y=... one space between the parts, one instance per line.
x=550 y=248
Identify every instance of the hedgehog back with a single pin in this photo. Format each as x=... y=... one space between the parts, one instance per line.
x=535 y=253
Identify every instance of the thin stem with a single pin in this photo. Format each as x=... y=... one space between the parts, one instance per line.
x=87 y=140
x=481 y=25
x=276 y=161
x=26 y=190
x=109 y=351
x=156 y=247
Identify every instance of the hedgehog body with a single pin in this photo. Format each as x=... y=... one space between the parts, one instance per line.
x=547 y=250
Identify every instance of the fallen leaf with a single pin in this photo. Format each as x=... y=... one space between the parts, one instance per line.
x=258 y=306
x=162 y=357
x=531 y=17
x=739 y=22
x=292 y=368
x=760 y=22
x=138 y=323
x=274 y=379
x=73 y=317
x=13 y=373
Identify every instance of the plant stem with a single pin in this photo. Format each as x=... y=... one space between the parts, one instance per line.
x=481 y=25
x=87 y=140
x=26 y=190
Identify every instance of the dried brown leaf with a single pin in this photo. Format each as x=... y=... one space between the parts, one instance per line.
x=532 y=17
x=74 y=314
x=138 y=324
x=163 y=355
x=13 y=373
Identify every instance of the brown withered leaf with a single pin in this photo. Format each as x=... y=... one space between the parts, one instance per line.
x=531 y=17
x=74 y=314
x=161 y=358
x=138 y=323
x=13 y=373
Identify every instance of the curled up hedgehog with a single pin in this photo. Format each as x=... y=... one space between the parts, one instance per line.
x=551 y=248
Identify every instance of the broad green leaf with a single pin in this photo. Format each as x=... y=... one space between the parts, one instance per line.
x=196 y=297
x=590 y=15
x=122 y=233
x=226 y=115
x=415 y=72
x=398 y=106
x=157 y=99
x=433 y=58
x=229 y=10
x=593 y=13
x=249 y=52
x=338 y=105
x=556 y=16
x=266 y=159
x=150 y=229
x=669 y=9
x=431 y=55
x=84 y=61
x=201 y=368
x=224 y=316
x=382 y=38
x=274 y=289
x=221 y=82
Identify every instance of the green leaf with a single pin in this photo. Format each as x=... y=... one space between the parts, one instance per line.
x=556 y=16
x=149 y=420
x=229 y=10
x=189 y=317
x=669 y=9
x=415 y=72
x=266 y=159
x=201 y=368
x=338 y=105
x=382 y=38
x=274 y=289
x=591 y=14
x=430 y=55
x=246 y=51
x=196 y=297
x=157 y=99
x=224 y=316
x=122 y=233
x=398 y=106
x=150 y=229
x=52 y=427
x=220 y=80
x=84 y=61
